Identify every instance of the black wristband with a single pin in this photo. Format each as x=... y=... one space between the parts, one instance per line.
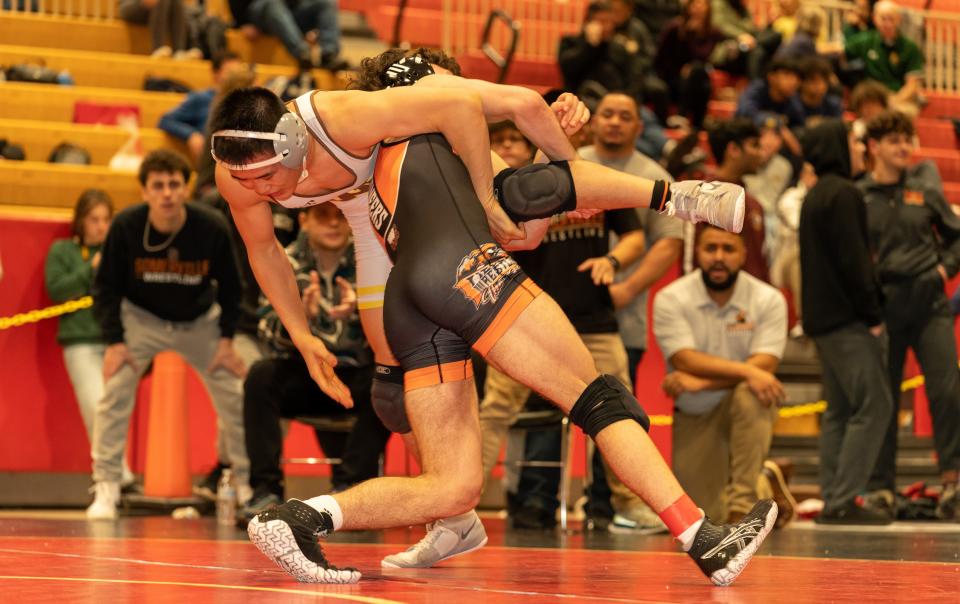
x=389 y=373
x=660 y=195
x=613 y=260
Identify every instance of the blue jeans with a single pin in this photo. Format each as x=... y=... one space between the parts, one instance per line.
x=275 y=18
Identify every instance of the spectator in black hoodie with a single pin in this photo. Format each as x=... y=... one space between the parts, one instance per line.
x=842 y=312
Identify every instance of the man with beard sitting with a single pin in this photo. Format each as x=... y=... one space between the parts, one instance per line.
x=722 y=332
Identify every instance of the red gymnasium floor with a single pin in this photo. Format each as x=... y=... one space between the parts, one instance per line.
x=160 y=560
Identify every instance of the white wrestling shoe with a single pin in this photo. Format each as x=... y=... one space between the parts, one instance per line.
x=445 y=539
x=719 y=203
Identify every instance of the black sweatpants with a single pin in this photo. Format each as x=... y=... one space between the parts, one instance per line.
x=918 y=316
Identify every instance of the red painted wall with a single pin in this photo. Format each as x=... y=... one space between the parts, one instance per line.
x=39 y=420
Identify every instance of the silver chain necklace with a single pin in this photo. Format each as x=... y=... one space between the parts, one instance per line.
x=161 y=246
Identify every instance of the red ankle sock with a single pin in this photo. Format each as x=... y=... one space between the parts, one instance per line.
x=680 y=514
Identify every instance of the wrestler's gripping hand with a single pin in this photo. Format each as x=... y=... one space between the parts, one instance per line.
x=571 y=113
x=534 y=231
x=501 y=227
x=320 y=363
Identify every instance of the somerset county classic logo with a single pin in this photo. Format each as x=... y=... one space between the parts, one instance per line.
x=483 y=273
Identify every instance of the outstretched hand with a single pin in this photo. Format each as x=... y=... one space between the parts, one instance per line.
x=320 y=362
x=601 y=270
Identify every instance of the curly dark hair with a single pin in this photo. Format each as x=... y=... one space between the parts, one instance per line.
x=889 y=122
x=372 y=74
x=164 y=161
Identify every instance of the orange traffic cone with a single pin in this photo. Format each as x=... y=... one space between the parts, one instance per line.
x=168 y=452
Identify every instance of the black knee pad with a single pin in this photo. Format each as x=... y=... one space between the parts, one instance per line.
x=536 y=191
x=386 y=395
x=606 y=401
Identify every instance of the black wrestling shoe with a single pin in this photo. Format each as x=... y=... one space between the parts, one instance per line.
x=723 y=551
x=287 y=534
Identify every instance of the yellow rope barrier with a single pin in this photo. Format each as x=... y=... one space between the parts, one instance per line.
x=786 y=413
x=34 y=316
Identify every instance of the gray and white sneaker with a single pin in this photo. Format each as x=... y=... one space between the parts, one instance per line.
x=445 y=539
x=639 y=520
x=719 y=203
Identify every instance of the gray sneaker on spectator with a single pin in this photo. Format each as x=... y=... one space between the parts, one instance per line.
x=882 y=501
x=949 y=506
x=639 y=519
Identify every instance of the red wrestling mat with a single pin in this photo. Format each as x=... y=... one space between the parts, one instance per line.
x=60 y=568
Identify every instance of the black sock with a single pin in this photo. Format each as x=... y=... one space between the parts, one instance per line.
x=660 y=195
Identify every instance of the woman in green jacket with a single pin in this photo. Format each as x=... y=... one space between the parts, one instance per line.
x=70 y=268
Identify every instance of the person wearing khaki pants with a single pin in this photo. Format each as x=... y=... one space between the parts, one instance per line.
x=722 y=332
x=740 y=429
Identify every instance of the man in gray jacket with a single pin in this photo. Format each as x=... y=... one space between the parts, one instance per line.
x=916 y=237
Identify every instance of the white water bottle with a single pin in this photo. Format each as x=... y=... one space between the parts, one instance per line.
x=226 y=500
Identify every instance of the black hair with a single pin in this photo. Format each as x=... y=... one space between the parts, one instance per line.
x=597 y=6
x=164 y=161
x=734 y=130
x=253 y=109
x=783 y=64
x=816 y=66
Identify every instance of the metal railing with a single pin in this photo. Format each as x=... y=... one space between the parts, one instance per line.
x=502 y=61
x=936 y=32
x=544 y=22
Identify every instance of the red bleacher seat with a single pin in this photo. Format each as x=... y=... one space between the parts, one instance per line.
x=952 y=192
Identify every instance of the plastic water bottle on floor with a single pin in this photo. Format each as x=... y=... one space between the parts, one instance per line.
x=226 y=500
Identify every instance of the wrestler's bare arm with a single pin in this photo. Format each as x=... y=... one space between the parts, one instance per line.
x=403 y=112
x=275 y=275
x=524 y=107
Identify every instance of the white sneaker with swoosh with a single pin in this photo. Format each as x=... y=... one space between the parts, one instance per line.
x=445 y=539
